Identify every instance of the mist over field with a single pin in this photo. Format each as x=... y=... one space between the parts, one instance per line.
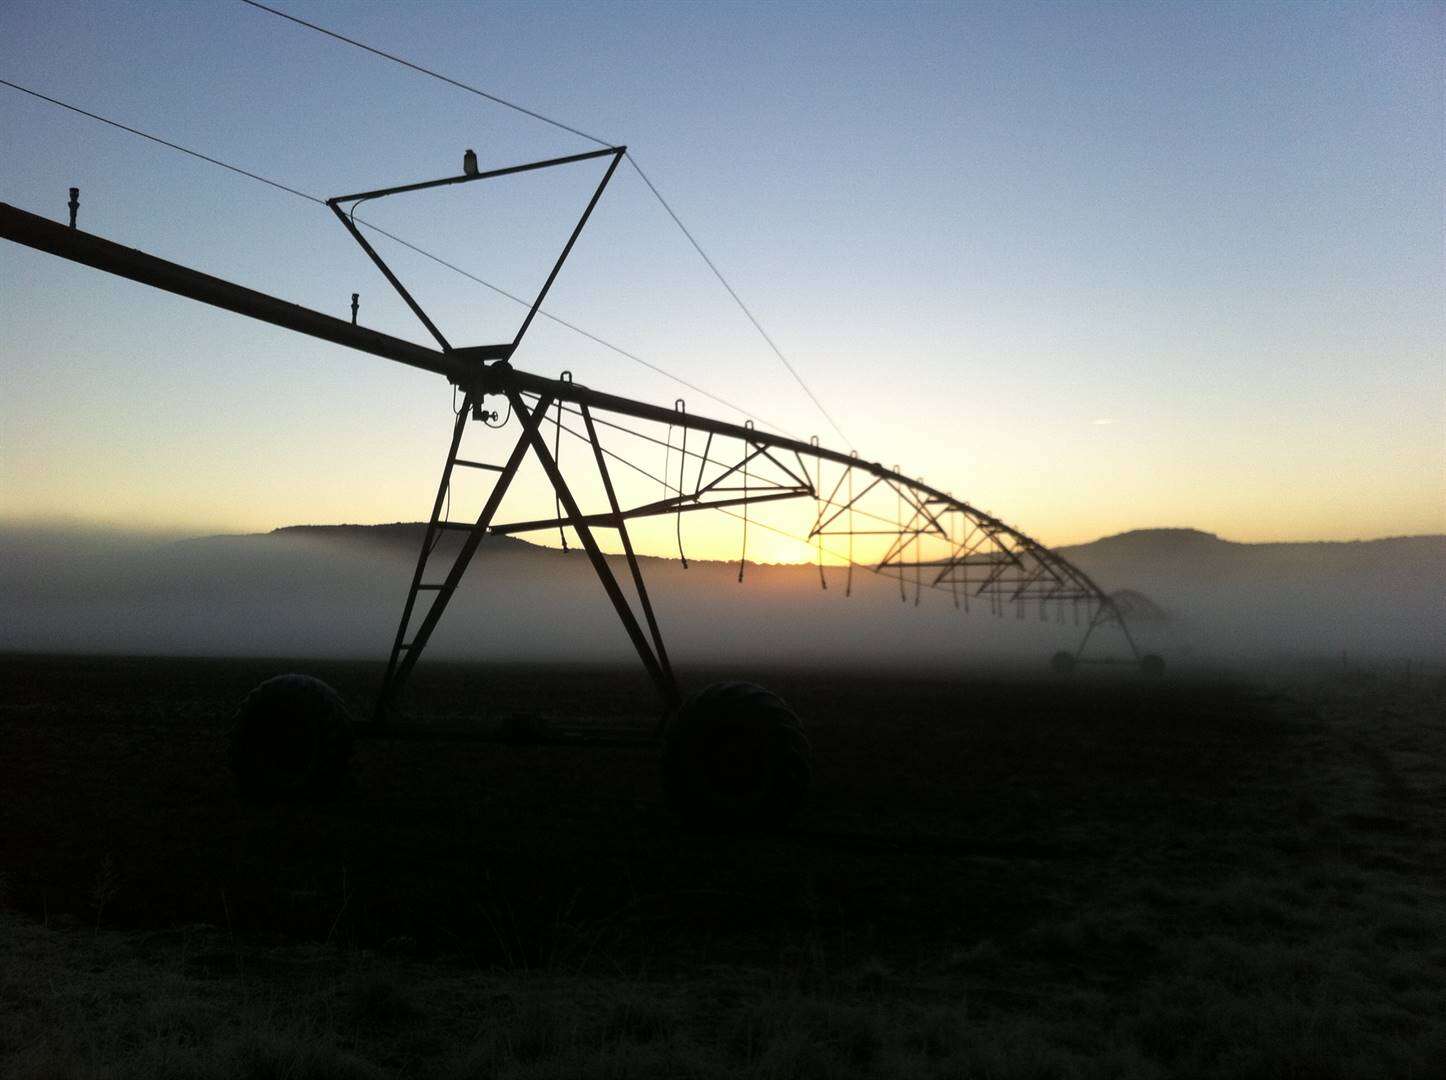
x=337 y=591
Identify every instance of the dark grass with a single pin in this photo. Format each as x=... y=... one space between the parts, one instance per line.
x=926 y=793
x=1097 y=875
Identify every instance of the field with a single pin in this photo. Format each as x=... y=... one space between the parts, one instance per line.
x=1204 y=875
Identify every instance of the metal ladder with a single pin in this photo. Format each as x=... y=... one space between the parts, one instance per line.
x=405 y=652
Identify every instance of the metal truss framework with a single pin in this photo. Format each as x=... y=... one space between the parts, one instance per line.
x=857 y=513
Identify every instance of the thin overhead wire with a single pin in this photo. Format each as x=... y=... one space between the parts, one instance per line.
x=427 y=71
x=570 y=326
x=393 y=237
x=737 y=300
x=687 y=233
x=162 y=142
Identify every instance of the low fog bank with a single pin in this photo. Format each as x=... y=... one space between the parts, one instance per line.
x=1371 y=599
x=338 y=592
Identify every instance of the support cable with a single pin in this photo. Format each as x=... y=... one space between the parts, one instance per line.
x=423 y=70
x=396 y=239
x=163 y=142
x=738 y=300
x=573 y=327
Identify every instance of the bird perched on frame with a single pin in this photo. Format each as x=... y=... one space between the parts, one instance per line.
x=469 y=163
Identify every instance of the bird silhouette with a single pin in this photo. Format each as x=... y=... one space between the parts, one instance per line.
x=469 y=163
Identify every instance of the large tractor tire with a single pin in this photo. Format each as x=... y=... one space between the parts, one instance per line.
x=735 y=757
x=291 y=738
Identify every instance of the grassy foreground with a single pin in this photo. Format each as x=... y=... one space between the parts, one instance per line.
x=1272 y=904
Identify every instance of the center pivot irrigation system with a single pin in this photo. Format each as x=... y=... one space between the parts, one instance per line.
x=734 y=753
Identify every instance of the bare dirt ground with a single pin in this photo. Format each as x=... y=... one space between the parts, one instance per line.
x=1094 y=876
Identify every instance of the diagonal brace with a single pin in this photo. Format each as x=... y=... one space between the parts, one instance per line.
x=662 y=678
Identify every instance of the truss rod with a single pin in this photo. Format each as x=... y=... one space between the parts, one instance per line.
x=681 y=505
x=638 y=584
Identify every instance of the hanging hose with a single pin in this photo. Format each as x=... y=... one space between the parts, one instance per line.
x=964 y=566
x=919 y=557
x=953 y=552
x=899 y=517
x=849 y=579
x=681 y=407
x=918 y=567
x=743 y=556
x=822 y=581
x=557 y=460
x=818 y=506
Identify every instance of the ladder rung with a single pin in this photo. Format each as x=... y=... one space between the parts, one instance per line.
x=476 y=464
x=432 y=588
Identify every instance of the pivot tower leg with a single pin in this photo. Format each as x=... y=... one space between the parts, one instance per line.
x=405 y=653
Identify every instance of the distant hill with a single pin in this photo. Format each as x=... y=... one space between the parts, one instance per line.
x=1365 y=595
x=337 y=590
x=406 y=535
x=1175 y=563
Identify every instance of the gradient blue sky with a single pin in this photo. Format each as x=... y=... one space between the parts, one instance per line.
x=1093 y=267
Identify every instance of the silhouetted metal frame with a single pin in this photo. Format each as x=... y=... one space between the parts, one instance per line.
x=428 y=545
x=484 y=352
x=461 y=369
x=621 y=524
x=406 y=653
x=657 y=668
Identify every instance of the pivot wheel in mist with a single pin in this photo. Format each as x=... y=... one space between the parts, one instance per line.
x=291 y=737
x=735 y=755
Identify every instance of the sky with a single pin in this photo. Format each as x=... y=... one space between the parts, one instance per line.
x=1090 y=267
